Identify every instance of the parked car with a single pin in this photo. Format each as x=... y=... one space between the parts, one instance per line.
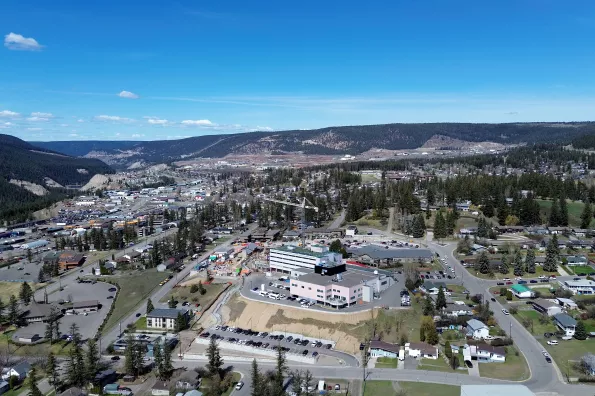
x=305 y=353
x=505 y=312
x=239 y=385
x=552 y=342
x=533 y=281
x=500 y=283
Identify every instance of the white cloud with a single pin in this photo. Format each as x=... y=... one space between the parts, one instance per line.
x=137 y=135
x=34 y=129
x=112 y=118
x=80 y=120
x=39 y=114
x=263 y=129
x=17 y=42
x=64 y=125
x=156 y=120
x=128 y=95
x=202 y=123
x=8 y=124
x=73 y=134
x=8 y=113
x=37 y=118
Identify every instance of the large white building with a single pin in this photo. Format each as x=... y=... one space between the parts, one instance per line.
x=291 y=259
x=583 y=286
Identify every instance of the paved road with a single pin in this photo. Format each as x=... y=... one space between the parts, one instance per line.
x=337 y=222
x=544 y=376
x=161 y=292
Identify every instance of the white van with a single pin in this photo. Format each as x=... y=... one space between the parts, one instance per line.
x=401 y=354
x=264 y=293
x=274 y=296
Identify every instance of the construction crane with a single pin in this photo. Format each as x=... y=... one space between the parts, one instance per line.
x=299 y=205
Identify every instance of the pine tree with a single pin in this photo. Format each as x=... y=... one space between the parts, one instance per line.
x=130 y=356
x=167 y=366
x=504 y=265
x=201 y=288
x=518 y=264
x=484 y=263
x=258 y=381
x=215 y=363
x=439 y=226
x=32 y=378
x=308 y=384
x=551 y=256
x=150 y=306
x=530 y=261
x=92 y=360
x=51 y=368
x=563 y=212
x=296 y=384
x=447 y=349
x=554 y=220
x=428 y=308
x=587 y=215
x=75 y=367
x=580 y=332
x=417 y=227
x=440 y=299
x=13 y=310
x=25 y=293
x=158 y=360
x=2 y=309
x=279 y=374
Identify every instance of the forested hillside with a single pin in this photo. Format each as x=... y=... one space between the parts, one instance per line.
x=330 y=140
x=20 y=161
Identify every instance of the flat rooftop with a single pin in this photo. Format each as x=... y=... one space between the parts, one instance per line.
x=349 y=278
x=299 y=250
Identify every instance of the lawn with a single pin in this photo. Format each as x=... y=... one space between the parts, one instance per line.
x=59 y=348
x=134 y=289
x=439 y=365
x=385 y=362
x=514 y=369
x=428 y=389
x=498 y=275
x=182 y=293
x=369 y=221
x=538 y=328
x=568 y=351
x=374 y=388
x=235 y=379
x=575 y=209
x=581 y=269
x=8 y=289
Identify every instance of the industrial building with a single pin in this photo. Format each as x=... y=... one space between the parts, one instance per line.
x=296 y=261
x=35 y=244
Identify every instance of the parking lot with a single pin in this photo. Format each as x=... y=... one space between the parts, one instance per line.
x=21 y=272
x=252 y=286
x=77 y=292
x=289 y=344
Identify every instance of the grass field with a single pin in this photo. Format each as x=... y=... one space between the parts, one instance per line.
x=427 y=389
x=59 y=348
x=375 y=388
x=581 y=269
x=575 y=209
x=537 y=328
x=498 y=275
x=134 y=289
x=567 y=352
x=8 y=289
x=368 y=221
x=515 y=368
x=235 y=378
x=181 y=294
x=439 y=365
x=385 y=362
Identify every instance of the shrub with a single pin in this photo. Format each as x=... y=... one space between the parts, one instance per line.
x=509 y=295
x=502 y=341
x=193 y=288
x=514 y=310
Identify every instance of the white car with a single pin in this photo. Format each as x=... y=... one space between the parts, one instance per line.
x=506 y=279
x=518 y=278
x=239 y=385
x=541 y=276
x=505 y=312
x=552 y=342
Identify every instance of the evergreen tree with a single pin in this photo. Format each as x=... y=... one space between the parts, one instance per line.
x=439 y=226
x=563 y=212
x=504 y=265
x=551 y=256
x=201 y=288
x=13 y=310
x=167 y=366
x=215 y=363
x=587 y=214
x=131 y=356
x=32 y=378
x=580 y=332
x=181 y=323
x=554 y=220
x=25 y=293
x=279 y=374
x=51 y=368
x=257 y=381
x=296 y=384
x=484 y=263
x=518 y=264
x=150 y=306
x=308 y=384
x=75 y=367
x=428 y=308
x=530 y=261
x=92 y=360
x=451 y=219
x=2 y=309
x=417 y=226
x=447 y=349
x=440 y=299
x=158 y=360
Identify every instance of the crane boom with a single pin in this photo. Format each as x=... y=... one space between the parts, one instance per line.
x=298 y=205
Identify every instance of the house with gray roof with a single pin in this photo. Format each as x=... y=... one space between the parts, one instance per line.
x=477 y=329
x=566 y=323
x=165 y=318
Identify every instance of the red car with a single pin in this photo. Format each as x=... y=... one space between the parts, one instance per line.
x=509 y=283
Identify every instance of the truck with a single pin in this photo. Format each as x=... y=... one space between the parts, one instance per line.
x=115 y=389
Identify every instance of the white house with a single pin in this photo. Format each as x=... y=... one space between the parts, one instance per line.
x=565 y=323
x=457 y=310
x=583 y=286
x=383 y=349
x=432 y=288
x=484 y=353
x=477 y=329
x=547 y=307
x=421 y=350
x=20 y=370
x=165 y=318
x=522 y=291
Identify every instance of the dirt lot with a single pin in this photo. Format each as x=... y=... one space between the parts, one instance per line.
x=346 y=330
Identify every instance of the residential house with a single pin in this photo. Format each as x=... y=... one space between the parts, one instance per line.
x=565 y=323
x=558 y=230
x=73 y=391
x=567 y=303
x=547 y=307
x=160 y=388
x=38 y=312
x=580 y=232
x=421 y=350
x=576 y=260
x=187 y=381
x=165 y=318
x=477 y=329
x=455 y=310
x=70 y=260
x=380 y=256
x=521 y=291
x=84 y=306
x=105 y=377
x=20 y=370
x=484 y=353
x=193 y=392
x=582 y=286
x=27 y=338
x=432 y=287
x=383 y=349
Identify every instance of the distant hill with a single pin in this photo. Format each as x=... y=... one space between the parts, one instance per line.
x=30 y=175
x=330 y=140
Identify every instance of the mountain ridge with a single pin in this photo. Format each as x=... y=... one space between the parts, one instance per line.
x=336 y=140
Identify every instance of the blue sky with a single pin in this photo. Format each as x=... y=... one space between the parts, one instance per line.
x=157 y=70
